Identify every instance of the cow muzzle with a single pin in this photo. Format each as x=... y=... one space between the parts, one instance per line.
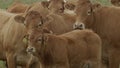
x=31 y=50
x=79 y=26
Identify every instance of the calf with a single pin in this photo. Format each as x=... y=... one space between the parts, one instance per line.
x=12 y=46
x=104 y=20
x=69 y=50
x=35 y=20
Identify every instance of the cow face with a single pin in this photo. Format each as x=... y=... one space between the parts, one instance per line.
x=56 y=6
x=36 y=41
x=85 y=11
x=32 y=20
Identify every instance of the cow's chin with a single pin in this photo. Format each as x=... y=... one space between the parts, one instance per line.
x=33 y=53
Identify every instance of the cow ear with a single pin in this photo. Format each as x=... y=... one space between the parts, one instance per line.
x=69 y=6
x=19 y=19
x=96 y=6
x=45 y=4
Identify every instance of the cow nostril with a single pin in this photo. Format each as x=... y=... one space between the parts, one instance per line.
x=30 y=49
x=79 y=26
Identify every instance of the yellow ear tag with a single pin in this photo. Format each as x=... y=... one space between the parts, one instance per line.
x=25 y=40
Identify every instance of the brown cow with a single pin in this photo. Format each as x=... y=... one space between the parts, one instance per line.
x=17 y=7
x=68 y=50
x=57 y=6
x=12 y=47
x=104 y=20
x=53 y=22
x=42 y=14
x=115 y=2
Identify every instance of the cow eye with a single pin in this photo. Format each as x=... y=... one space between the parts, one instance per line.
x=61 y=9
x=89 y=12
x=39 y=40
x=40 y=24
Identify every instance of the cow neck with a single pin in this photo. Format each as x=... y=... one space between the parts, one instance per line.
x=45 y=55
x=42 y=50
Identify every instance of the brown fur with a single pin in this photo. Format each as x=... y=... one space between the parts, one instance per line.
x=39 y=7
x=12 y=47
x=68 y=50
x=106 y=23
x=115 y=2
x=53 y=22
x=57 y=7
x=70 y=4
x=17 y=7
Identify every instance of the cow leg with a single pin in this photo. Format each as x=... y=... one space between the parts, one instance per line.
x=113 y=60
x=94 y=64
x=66 y=65
x=10 y=60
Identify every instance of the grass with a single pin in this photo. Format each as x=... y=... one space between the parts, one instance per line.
x=2 y=64
x=5 y=3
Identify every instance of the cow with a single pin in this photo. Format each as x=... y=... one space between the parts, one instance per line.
x=12 y=45
x=58 y=7
x=74 y=49
x=104 y=20
x=17 y=7
x=115 y=2
x=35 y=20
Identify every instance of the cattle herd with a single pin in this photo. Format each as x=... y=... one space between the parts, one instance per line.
x=60 y=34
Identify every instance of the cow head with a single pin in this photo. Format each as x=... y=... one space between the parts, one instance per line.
x=56 y=6
x=33 y=21
x=45 y=4
x=37 y=41
x=115 y=2
x=85 y=11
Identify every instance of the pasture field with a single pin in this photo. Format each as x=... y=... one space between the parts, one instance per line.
x=5 y=3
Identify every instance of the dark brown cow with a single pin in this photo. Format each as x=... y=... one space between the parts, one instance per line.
x=12 y=47
x=105 y=22
x=69 y=50
x=17 y=7
x=115 y=2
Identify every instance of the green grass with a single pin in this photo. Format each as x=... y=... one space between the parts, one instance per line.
x=5 y=3
x=2 y=64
